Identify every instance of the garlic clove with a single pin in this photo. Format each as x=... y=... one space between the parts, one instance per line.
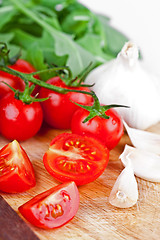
x=124 y=193
x=146 y=165
x=143 y=140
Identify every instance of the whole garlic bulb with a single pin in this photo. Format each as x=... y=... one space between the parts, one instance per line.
x=124 y=81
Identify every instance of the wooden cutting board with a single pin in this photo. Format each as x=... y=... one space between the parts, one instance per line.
x=96 y=218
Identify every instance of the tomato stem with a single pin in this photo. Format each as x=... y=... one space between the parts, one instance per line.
x=97 y=109
x=4 y=55
x=29 y=77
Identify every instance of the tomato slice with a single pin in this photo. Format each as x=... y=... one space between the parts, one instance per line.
x=16 y=170
x=72 y=157
x=52 y=208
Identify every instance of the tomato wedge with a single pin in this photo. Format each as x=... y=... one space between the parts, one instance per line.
x=52 y=208
x=16 y=170
x=72 y=157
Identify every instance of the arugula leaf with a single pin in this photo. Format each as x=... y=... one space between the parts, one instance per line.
x=63 y=43
x=36 y=58
x=115 y=39
x=6 y=14
x=39 y=46
x=6 y=37
x=93 y=43
x=60 y=32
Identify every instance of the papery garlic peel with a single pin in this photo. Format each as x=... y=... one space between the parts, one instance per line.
x=124 y=193
x=124 y=81
x=146 y=165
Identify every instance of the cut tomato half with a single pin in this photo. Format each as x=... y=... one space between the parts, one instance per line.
x=72 y=157
x=52 y=208
x=16 y=170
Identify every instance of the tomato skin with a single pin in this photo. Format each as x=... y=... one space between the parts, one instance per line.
x=108 y=131
x=16 y=170
x=58 y=109
x=76 y=158
x=61 y=203
x=18 y=120
x=14 y=81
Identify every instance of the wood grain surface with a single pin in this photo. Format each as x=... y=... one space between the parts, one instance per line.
x=96 y=218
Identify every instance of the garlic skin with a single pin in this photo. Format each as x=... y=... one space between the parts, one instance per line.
x=124 y=81
x=146 y=165
x=124 y=193
x=147 y=141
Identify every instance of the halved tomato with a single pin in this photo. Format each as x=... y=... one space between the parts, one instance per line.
x=52 y=208
x=72 y=157
x=16 y=170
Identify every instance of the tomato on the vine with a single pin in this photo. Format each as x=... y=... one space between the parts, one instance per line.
x=18 y=120
x=108 y=131
x=58 y=109
x=14 y=81
x=52 y=208
x=16 y=171
x=76 y=158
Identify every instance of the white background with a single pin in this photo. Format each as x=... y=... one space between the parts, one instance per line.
x=139 y=20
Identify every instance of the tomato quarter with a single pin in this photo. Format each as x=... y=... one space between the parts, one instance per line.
x=16 y=171
x=76 y=158
x=52 y=208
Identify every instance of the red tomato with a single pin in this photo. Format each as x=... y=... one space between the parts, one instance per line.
x=52 y=208
x=15 y=82
x=76 y=158
x=108 y=131
x=58 y=109
x=18 y=120
x=16 y=171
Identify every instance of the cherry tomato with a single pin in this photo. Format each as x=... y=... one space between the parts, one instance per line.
x=18 y=120
x=15 y=82
x=52 y=208
x=108 y=131
x=76 y=158
x=16 y=171
x=58 y=109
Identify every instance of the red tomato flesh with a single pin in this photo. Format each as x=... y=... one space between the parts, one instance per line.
x=16 y=171
x=52 y=208
x=76 y=158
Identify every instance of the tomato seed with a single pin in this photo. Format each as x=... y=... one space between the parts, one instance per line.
x=66 y=197
x=57 y=211
x=67 y=144
x=88 y=167
x=72 y=143
x=86 y=149
x=83 y=145
x=93 y=153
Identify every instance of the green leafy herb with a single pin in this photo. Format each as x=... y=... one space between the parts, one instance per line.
x=60 y=32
